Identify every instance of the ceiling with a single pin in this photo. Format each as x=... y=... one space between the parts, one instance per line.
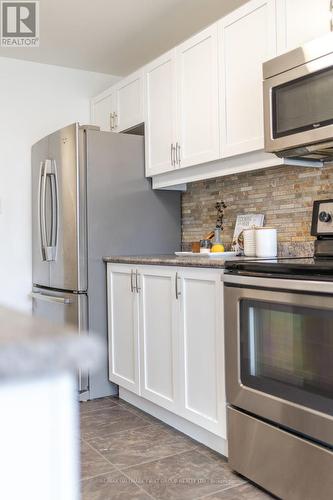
x=116 y=36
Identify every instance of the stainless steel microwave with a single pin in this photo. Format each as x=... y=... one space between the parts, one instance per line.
x=298 y=102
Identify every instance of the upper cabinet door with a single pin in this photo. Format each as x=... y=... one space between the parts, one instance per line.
x=129 y=102
x=300 y=21
x=160 y=116
x=247 y=39
x=198 y=108
x=102 y=108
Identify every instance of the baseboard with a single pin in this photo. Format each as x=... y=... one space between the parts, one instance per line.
x=197 y=433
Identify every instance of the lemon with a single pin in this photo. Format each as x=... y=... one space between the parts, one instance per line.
x=217 y=248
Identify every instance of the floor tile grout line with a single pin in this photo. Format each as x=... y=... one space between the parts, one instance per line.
x=158 y=459
x=138 y=485
x=133 y=411
x=98 y=475
x=203 y=452
x=118 y=432
x=120 y=471
x=196 y=447
x=145 y=462
x=123 y=471
x=204 y=497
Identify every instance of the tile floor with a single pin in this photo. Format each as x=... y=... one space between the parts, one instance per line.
x=128 y=455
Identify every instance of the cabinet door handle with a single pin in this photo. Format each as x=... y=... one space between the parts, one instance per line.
x=137 y=284
x=111 y=121
x=132 y=276
x=177 y=291
x=115 y=120
x=178 y=153
x=172 y=153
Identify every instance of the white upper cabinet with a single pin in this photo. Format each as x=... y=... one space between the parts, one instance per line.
x=101 y=111
x=129 y=96
x=202 y=101
x=247 y=39
x=121 y=107
x=198 y=105
x=300 y=21
x=160 y=115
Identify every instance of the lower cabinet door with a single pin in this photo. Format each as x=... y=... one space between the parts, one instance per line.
x=202 y=349
x=158 y=337
x=123 y=327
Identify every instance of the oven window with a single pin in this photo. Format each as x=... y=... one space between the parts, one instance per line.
x=303 y=104
x=287 y=351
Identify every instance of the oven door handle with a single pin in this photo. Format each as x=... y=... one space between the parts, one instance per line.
x=286 y=284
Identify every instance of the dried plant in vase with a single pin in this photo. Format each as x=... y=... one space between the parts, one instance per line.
x=220 y=207
x=217 y=244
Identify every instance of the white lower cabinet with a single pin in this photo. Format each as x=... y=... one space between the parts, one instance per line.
x=159 y=343
x=166 y=339
x=202 y=349
x=123 y=327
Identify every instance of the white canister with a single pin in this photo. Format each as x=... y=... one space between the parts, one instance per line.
x=266 y=242
x=249 y=236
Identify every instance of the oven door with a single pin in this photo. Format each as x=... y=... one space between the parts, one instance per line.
x=279 y=352
x=298 y=106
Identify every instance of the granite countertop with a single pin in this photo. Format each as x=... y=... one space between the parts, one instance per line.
x=33 y=346
x=174 y=260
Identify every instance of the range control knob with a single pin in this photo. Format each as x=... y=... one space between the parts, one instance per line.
x=325 y=217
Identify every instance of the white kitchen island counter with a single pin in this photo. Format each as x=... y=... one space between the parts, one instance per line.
x=39 y=424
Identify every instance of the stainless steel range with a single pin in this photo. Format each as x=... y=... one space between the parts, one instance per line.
x=279 y=368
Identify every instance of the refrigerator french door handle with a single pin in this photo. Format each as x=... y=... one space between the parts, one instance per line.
x=55 y=209
x=49 y=246
x=50 y=298
x=42 y=208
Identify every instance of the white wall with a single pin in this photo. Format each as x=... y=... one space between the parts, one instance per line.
x=35 y=99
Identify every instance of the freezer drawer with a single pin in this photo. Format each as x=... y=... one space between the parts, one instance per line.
x=63 y=308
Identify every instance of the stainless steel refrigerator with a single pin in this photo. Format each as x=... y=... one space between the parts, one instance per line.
x=90 y=198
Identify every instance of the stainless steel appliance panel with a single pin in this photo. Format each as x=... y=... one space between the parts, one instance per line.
x=125 y=216
x=68 y=268
x=282 y=463
x=62 y=308
x=297 y=139
x=40 y=266
x=304 y=75
x=300 y=417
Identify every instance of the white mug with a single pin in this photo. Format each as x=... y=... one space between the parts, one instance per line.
x=266 y=242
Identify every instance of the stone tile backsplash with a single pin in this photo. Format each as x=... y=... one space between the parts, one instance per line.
x=283 y=194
